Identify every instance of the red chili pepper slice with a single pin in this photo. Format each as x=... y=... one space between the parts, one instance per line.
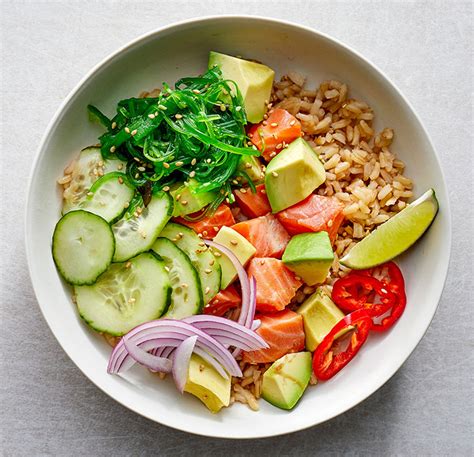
x=392 y=279
x=326 y=363
x=354 y=292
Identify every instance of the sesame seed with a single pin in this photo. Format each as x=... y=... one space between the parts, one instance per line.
x=132 y=300
x=223 y=107
x=227 y=200
x=263 y=191
x=137 y=175
x=184 y=202
x=196 y=91
x=266 y=102
x=166 y=165
x=211 y=262
x=179 y=163
x=141 y=168
x=162 y=107
x=186 y=183
x=207 y=271
x=177 y=197
x=167 y=269
x=200 y=235
x=90 y=194
x=139 y=210
x=234 y=181
x=243 y=191
x=216 y=228
x=112 y=149
x=136 y=159
x=262 y=262
x=207 y=290
x=126 y=205
x=120 y=167
x=128 y=264
x=273 y=154
x=217 y=254
x=204 y=233
x=101 y=172
x=250 y=135
x=293 y=122
x=297 y=278
x=178 y=116
x=180 y=234
x=193 y=162
x=166 y=188
x=233 y=243
x=156 y=113
x=279 y=146
x=274 y=174
x=264 y=123
x=114 y=124
x=127 y=130
x=274 y=124
x=120 y=180
x=135 y=214
x=184 y=285
x=238 y=108
x=330 y=222
x=248 y=165
x=192 y=174
x=208 y=160
x=151 y=116
x=133 y=132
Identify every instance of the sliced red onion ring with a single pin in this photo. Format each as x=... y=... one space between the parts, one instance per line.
x=146 y=359
x=244 y=280
x=252 y=302
x=120 y=359
x=181 y=358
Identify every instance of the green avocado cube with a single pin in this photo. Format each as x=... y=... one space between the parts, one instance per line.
x=187 y=201
x=293 y=175
x=253 y=79
x=286 y=380
x=242 y=249
x=320 y=315
x=309 y=255
x=207 y=384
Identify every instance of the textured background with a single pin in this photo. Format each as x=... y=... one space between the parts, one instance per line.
x=49 y=408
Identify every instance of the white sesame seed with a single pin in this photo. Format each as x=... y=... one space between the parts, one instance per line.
x=184 y=202
x=262 y=262
x=166 y=165
x=90 y=194
x=167 y=269
x=192 y=174
x=120 y=180
x=248 y=165
x=235 y=182
x=273 y=154
x=151 y=116
x=114 y=124
x=217 y=254
x=223 y=107
x=274 y=174
x=243 y=191
x=141 y=168
x=233 y=243
x=178 y=116
x=208 y=160
x=279 y=146
x=126 y=205
x=330 y=222
x=297 y=278
x=162 y=107
x=238 y=108
x=133 y=132
x=207 y=271
x=200 y=235
x=128 y=264
x=293 y=122
x=207 y=290
x=112 y=149
x=193 y=162
x=137 y=175
x=127 y=130
x=202 y=244
x=179 y=163
x=196 y=91
x=211 y=262
x=166 y=188
x=216 y=228
x=184 y=285
x=132 y=300
x=120 y=167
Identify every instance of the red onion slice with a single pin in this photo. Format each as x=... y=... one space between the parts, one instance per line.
x=146 y=359
x=244 y=280
x=181 y=358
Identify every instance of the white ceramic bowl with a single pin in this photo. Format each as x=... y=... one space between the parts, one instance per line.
x=182 y=50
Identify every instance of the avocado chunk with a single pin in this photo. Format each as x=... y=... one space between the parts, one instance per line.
x=293 y=175
x=309 y=255
x=251 y=165
x=254 y=81
x=207 y=384
x=242 y=249
x=320 y=315
x=187 y=201
x=286 y=380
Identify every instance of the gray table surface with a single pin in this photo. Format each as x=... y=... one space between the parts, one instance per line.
x=47 y=405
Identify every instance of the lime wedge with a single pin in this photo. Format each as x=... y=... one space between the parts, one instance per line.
x=394 y=236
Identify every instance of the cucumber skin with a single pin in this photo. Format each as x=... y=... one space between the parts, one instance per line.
x=165 y=309
x=156 y=235
x=195 y=274
x=60 y=270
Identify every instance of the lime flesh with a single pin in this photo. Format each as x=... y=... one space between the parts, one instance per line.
x=394 y=236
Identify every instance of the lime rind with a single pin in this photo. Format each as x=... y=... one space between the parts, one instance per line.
x=394 y=236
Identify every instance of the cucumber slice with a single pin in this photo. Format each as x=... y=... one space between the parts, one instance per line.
x=83 y=247
x=111 y=195
x=203 y=260
x=134 y=235
x=126 y=295
x=85 y=172
x=186 y=298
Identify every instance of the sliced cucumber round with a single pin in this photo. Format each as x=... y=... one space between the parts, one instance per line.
x=126 y=295
x=134 y=235
x=203 y=260
x=111 y=195
x=83 y=246
x=85 y=171
x=186 y=297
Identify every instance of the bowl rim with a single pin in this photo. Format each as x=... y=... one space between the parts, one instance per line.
x=41 y=151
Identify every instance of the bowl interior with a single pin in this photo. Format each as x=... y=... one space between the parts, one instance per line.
x=182 y=50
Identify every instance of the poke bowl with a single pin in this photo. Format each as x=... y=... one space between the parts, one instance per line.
x=313 y=162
